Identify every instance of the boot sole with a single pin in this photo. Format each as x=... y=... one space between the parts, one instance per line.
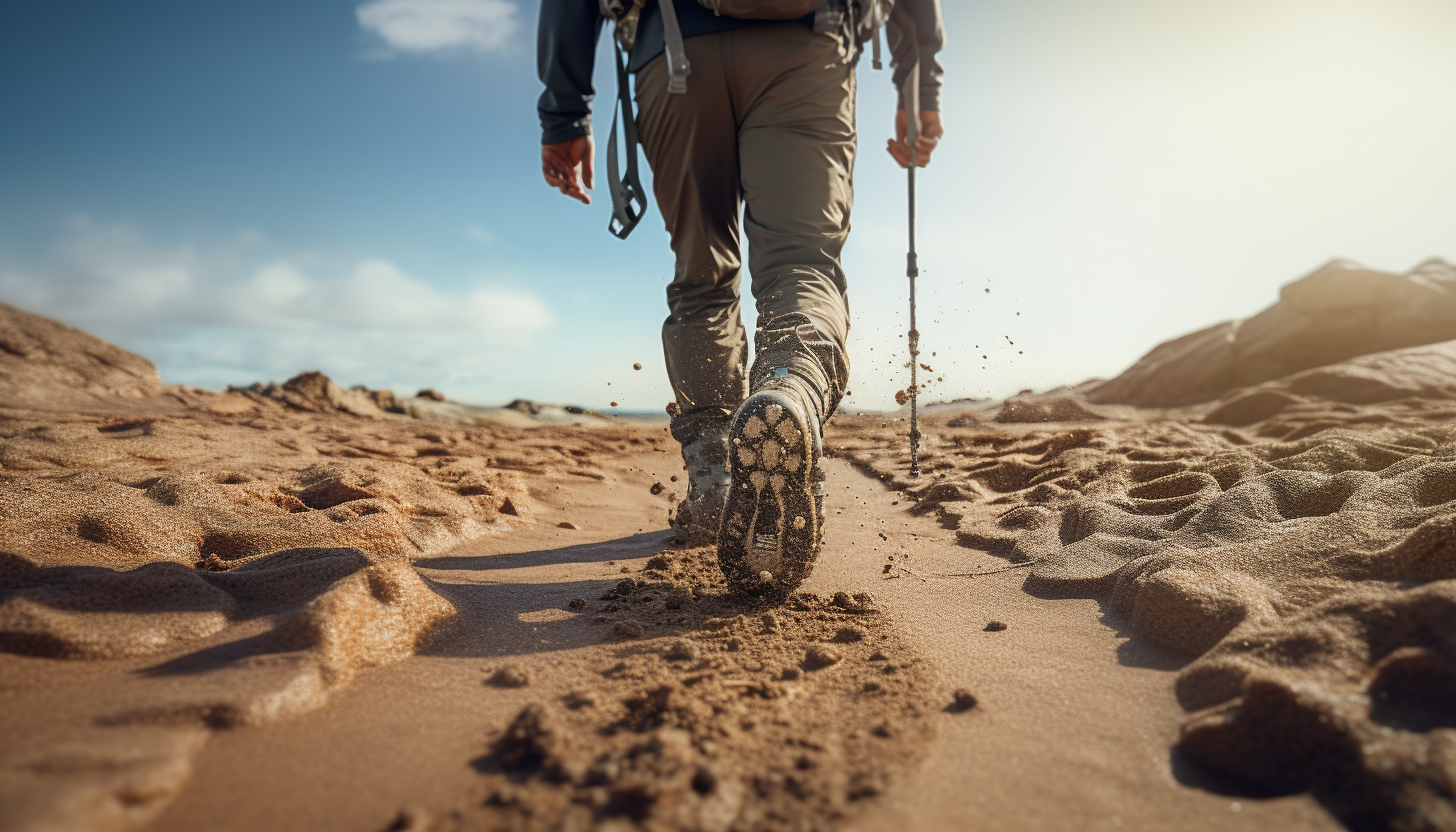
x=770 y=533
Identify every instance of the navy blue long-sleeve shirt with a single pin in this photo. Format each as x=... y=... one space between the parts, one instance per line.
x=568 y=30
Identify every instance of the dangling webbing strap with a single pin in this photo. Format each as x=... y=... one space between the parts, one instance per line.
x=678 y=67
x=629 y=202
x=876 y=23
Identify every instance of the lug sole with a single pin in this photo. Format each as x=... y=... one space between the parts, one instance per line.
x=771 y=527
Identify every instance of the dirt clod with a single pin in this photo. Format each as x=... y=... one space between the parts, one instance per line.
x=626 y=629
x=681 y=650
x=961 y=701
x=579 y=699
x=510 y=676
x=818 y=657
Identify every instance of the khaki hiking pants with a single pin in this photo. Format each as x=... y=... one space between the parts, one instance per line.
x=768 y=125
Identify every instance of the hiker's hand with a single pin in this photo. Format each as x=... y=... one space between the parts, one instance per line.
x=559 y=163
x=930 y=133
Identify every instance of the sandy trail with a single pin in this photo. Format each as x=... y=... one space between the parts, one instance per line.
x=1075 y=720
x=1073 y=728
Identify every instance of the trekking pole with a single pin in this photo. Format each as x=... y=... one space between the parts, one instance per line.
x=912 y=268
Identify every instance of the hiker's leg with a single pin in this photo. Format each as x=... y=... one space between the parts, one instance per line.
x=691 y=143
x=796 y=156
x=795 y=99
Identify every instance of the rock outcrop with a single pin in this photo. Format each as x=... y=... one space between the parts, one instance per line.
x=46 y=364
x=1340 y=311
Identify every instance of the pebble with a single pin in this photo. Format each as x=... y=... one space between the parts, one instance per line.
x=818 y=657
x=961 y=701
x=509 y=676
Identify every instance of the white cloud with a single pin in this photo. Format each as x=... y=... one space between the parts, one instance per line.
x=232 y=315
x=440 y=26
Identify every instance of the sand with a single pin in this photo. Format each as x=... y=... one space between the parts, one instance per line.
x=1297 y=536
x=296 y=606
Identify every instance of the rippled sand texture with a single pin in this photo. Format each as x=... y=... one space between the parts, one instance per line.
x=261 y=546
x=1298 y=537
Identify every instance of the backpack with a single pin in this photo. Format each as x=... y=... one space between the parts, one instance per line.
x=859 y=20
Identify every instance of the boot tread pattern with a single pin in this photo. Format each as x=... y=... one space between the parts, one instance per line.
x=771 y=525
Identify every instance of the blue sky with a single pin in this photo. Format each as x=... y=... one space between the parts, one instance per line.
x=240 y=191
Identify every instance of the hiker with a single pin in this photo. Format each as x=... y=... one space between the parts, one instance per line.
x=757 y=115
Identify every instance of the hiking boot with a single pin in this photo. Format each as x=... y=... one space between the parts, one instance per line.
x=773 y=523
x=706 y=461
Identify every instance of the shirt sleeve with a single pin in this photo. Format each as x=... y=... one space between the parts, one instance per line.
x=915 y=29
x=566 y=47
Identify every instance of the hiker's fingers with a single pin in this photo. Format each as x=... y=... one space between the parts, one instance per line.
x=568 y=186
x=560 y=180
x=900 y=152
x=931 y=131
x=925 y=140
x=557 y=165
x=576 y=194
x=924 y=147
x=930 y=124
x=553 y=170
x=563 y=162
x=588 y=163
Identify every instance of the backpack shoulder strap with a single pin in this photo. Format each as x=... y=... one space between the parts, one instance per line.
x=678 y=67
